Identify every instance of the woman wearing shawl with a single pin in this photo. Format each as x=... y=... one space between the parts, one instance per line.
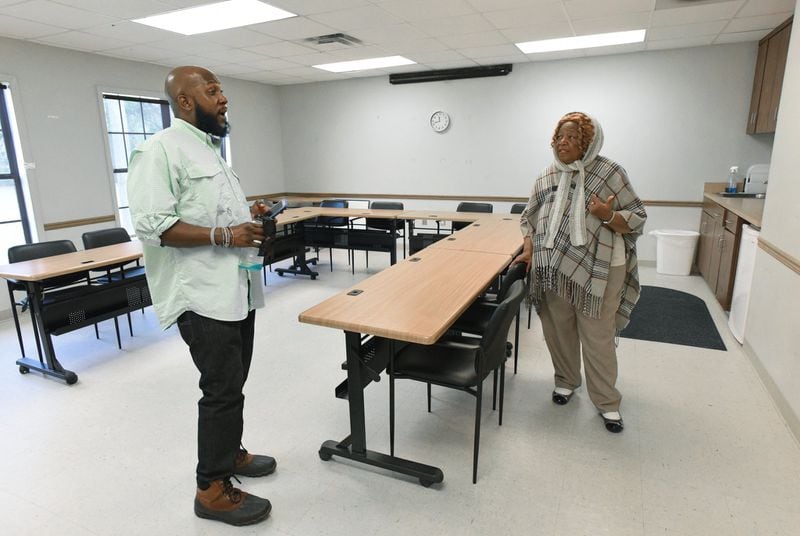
x=580 y=226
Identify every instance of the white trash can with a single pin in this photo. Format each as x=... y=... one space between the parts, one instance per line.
x=675 y=250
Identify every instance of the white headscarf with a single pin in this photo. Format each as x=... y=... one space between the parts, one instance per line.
x=577 y=216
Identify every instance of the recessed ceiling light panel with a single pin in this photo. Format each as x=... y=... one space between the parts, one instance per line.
x=213 y=17
x=582 y=41
x=363 y=65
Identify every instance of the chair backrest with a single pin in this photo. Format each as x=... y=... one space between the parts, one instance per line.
x=517 y=208
x=105 y=237
x=332 y=221
x=380 y=223
x=493 y=343
x=468 y=206
x=39 y=250
x=515 y=273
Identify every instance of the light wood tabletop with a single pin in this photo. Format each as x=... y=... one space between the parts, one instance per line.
x=414 y=301
x=488 y=235
x=68 y=263
x=293 y=215
x=441 y=215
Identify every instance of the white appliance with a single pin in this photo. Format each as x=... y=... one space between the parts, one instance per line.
x=755 y=182
x=744 y=280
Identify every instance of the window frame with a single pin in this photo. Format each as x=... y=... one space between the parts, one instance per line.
x=14 y=174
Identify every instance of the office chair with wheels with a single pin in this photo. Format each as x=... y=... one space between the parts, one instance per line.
x=459 y=363
x=115 y=272
x=467 y=206
x=396 y=227
x=518 y=208
x=475 y=319
x=28 y=252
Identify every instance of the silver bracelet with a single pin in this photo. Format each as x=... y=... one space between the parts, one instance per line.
x=211 y=236
x=610 y=218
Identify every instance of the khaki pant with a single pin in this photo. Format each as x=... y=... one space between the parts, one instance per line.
x=567 y=331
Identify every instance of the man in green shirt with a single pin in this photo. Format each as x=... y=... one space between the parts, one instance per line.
x=196 y=227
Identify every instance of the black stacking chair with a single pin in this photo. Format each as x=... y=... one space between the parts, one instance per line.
x=323 y=224
x=28 y=252
x=475 y=320
x=395 y=227
x=460 y=363
x=518 y=208
x=115 y=272
x=466 y=206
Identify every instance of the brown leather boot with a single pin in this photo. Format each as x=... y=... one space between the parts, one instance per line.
x=253 y=465
x=222 y=502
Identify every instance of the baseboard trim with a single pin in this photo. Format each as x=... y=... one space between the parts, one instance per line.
x=789 y=416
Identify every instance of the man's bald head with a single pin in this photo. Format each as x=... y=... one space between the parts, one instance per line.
x=195 y=96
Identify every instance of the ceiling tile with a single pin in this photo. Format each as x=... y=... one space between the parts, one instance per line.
x=25 y=29
x=454 y=25
x=240 y=37
x=614 y=23
x=307 y=7
x=396 y=33
x=683 y=42
x=456 y=64
x=294 y=28
x=476 y=40
x=131 y=31
x=763 y=22
x=419 y=46
x=139 y=52
x=494 y=5
x=519 y=18
x=740 y=37
x=357 y=18
x=189 y=44
x=592 y=9
x=359 y=53
x=492 y=52
x=615 y=49
x=280 y=49
x=122 y=9
x=686 y=30
x=694 y=14
x=496 y=60
x=442 y=55
x=233 y=55
x=233 y=68
x=82 y=41
x=538 y=32
x=560 y=55
x=417 y=10
x=273 y=64
x=57 y=15
x=306 y=59
x=767 y=7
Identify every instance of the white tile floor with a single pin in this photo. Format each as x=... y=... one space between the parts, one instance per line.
x=704 y=450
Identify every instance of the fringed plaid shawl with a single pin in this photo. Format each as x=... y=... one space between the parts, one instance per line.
x=579 y=273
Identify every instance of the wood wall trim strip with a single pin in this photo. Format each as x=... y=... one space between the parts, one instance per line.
x=78 y=223
x=501 y=199
x=780 y=255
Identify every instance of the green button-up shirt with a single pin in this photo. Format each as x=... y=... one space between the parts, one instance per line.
x=179 y=174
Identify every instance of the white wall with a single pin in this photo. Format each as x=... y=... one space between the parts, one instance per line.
x=56 y=95
x=674 y=119
x=772 y=319
x=59 y=113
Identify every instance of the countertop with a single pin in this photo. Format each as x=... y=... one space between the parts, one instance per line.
x=748 y=208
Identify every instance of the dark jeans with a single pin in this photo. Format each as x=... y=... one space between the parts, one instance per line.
x=222 y=352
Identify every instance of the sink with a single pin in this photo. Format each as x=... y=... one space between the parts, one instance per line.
x=743 y=194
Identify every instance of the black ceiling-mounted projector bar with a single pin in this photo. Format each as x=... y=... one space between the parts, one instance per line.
x=450 y=74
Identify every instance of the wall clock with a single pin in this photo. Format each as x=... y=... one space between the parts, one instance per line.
x=440 y=121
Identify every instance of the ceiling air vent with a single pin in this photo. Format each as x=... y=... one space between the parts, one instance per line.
x=340 y=38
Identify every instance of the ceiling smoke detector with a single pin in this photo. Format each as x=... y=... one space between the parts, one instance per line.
x=340 y=38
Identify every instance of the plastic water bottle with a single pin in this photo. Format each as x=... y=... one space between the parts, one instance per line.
x=731 y=188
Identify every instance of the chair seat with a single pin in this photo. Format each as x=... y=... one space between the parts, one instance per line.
x=476 y=318
x=450 y=364
x=129 y=273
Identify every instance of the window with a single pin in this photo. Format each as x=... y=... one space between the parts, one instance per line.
x=14 y=225
x=130 y=121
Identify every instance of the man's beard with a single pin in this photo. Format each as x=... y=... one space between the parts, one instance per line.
x=208 y=123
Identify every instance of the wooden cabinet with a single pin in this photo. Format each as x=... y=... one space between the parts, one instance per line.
x=718 y=249
x=768 y=80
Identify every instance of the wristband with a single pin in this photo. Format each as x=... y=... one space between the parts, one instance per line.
x=211 y=236
x=610 y=218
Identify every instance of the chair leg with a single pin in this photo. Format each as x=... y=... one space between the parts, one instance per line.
x=36 y=336
x=330 y=255
x=391 y=415
x=16 y=322
x=429 y=397
x=366 y=256
x=96 y=332
x=529 y=316
x=478 y=397
x=516 y=342
x=116 y=328
x=130 y=325
x=494 y=390
x=502 y=391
